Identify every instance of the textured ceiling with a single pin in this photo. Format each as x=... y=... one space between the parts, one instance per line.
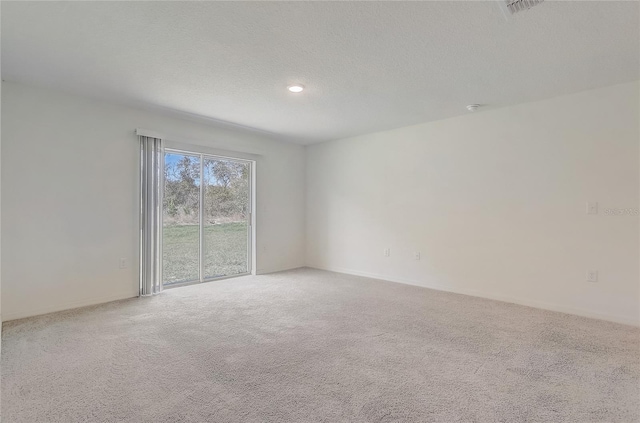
x=367 y=66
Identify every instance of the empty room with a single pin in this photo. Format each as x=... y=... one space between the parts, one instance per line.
x=327 y=211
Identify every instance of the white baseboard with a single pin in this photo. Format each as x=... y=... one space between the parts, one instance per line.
x=66 y=306
x=474 y=293
x=491 y=296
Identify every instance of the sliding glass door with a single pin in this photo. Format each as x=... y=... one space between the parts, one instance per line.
x=181 y=218
x=226 y=217
x=206 y=228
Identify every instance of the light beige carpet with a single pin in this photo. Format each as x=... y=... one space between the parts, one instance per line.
x=313 y=346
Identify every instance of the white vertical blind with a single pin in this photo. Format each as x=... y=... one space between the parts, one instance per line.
x=150 y=208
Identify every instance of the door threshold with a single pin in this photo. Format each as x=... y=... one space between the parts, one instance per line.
x=220 y=278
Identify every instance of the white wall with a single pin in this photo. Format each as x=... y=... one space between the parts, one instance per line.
x=70 y=197
x=495 y=202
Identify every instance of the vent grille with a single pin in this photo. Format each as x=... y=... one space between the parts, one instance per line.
x=515 y=6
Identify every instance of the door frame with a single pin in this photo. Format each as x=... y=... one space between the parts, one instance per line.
x=202 y=152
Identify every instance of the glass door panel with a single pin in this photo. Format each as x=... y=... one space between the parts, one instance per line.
x=226 y=205
x=181 y=218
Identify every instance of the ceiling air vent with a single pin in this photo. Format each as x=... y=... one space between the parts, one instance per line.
x=511 y=7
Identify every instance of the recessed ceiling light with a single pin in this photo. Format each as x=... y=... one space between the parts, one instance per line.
x=295 y=88
x=473 y=107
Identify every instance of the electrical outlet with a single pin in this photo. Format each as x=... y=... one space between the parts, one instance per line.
x=123 y=263
x=592 y=276
x=592 y=207
x=416 y=255
x=387 y=252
